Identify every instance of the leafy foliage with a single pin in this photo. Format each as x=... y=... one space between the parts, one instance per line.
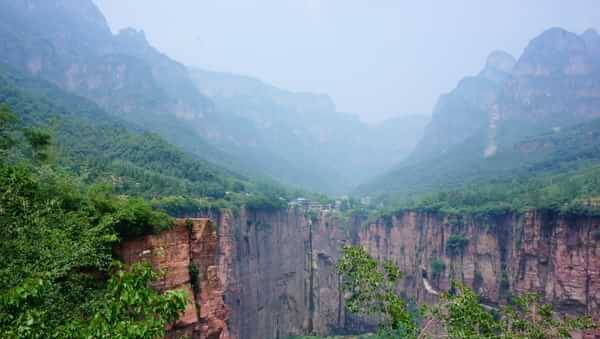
x=130 y=308
x=465 y=317
x=7 y=121
x=371 y=288
x=543 y=153
x=437 y=267
x=574 y=192
x=102 y=149
x=56 y=243
x=456 y=244
x=372 y=291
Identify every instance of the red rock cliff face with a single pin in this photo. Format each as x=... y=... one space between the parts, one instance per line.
x=558 y=257
x=175 y=252
x=271 y=275
x=279 y=272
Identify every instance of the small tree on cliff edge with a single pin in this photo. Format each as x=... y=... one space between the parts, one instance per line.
x=372 y=291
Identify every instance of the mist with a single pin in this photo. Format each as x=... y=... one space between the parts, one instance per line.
x=375 y=58
x=299 y=169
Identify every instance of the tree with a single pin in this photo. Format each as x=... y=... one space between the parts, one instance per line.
x=7 y=122
x=131 y=308
x=527 y=317
x=39 y=142
x=459 y=312
x=463 y=316
x=372 y=291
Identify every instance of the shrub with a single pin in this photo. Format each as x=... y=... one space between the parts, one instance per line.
x=135 y=217
x=194 y=277
x=262 y=202
x=437 y=267
x=456 y=245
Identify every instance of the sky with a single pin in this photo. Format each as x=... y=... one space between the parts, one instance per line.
x=375 y=58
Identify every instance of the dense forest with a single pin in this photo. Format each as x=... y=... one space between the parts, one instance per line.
x=99 y=148
x=573 y=192
x=59 y=277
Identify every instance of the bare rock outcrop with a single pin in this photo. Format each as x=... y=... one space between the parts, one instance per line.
x=555 y=256
x=273 y=274
x=187 y=255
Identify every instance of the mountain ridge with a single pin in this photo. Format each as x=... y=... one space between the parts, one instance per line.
x=554 y=85
x=296 y=138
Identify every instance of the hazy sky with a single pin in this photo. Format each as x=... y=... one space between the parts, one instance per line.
x=376 y=58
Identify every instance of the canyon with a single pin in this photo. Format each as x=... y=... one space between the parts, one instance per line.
x=273 y=274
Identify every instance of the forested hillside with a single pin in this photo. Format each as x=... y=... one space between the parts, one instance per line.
x=58 y=276
x=306 y=128
x=539 y=118
x=100 y=148
x=235 y=122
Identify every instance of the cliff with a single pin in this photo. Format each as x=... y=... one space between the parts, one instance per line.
x=273 y=274
x=558 y=257
x=279 y=272
x=283 y=278
x=187 y=255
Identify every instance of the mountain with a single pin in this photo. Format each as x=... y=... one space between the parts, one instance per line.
x=306 y=128
x=484 y=128
x=102 y=148
x=233 y=121
x=464 y=111
x=69 y=43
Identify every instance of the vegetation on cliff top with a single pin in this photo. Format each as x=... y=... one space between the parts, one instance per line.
x=56 y=244
x=575 y=192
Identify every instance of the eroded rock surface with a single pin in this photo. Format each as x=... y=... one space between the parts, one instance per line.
x=188 y=256
x=268 y=275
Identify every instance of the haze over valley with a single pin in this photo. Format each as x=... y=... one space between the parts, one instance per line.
x=299 y=169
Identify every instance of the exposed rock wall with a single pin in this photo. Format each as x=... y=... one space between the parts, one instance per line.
x=271 y=275
x=282 y=265
x=175 y=252
x=281 y=275
x=558 y=257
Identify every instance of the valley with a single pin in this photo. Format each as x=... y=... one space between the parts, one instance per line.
x=144 y=198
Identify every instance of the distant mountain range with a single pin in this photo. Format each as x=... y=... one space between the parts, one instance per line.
x=489 y=127
x=236 y=122
x=516 y=117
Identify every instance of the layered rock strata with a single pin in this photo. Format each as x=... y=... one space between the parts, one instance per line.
x=273 y=274
x=187 y=257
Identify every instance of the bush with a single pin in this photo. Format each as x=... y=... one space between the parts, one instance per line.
x=456 y=245
x=437 y=267
x=194 y=276
x=263 y=202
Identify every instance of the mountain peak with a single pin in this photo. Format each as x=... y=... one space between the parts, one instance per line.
x=498 y=66
x=501 y=61
x=134 y=35
x=555 y=51
x=590 y=33
x=555 y=38
x=592 y=42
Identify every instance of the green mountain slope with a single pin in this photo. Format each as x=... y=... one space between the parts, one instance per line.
x=538 y=117
x=106 y=149
x=336 y=149
x=563 y=150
